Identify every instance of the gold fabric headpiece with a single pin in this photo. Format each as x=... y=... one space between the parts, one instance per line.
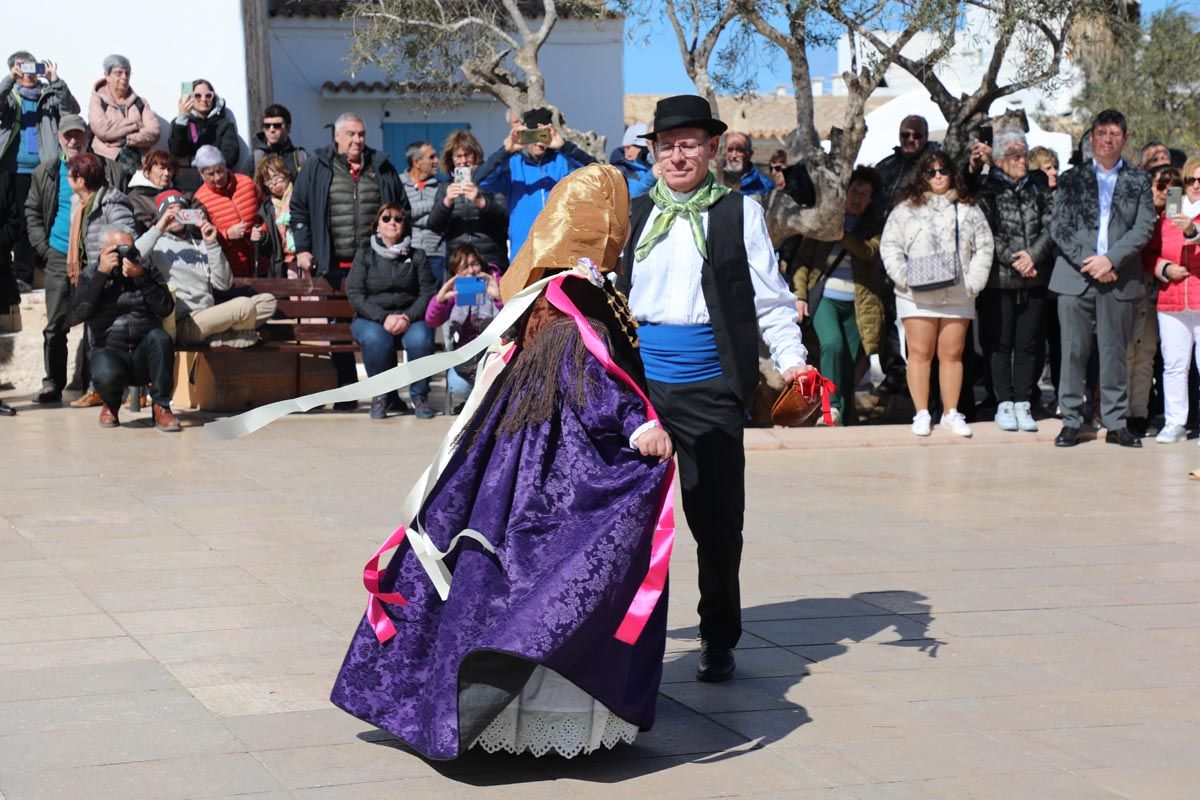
x=586 y=216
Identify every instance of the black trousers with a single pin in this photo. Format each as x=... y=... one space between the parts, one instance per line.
x=1010 y=328
x=152 y=362
x=891 y=360
x=705 y=421
x=58 y=307
x=24 y=257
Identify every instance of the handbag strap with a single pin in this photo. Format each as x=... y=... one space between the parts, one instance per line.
x=818 y=289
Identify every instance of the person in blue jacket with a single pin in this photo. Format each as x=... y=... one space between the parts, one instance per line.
x=633 y=159
x=739 y=166
x=525 y=173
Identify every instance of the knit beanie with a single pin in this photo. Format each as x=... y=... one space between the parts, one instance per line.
x=166 y=198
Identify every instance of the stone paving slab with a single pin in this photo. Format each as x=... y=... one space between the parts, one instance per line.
x=942 y=619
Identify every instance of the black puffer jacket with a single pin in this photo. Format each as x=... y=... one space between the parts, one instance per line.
x=485 y=229
x=1019 y=216
x=378 y=286
x=120 y=311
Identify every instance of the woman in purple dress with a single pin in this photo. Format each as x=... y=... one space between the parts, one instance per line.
x=551 y=515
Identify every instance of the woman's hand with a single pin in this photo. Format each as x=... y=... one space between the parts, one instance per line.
x=167 y=218
x=396 y=324
x=208 y=232
x=1175 y=272
x=801 y=310
x=471 y=192
x=1023 y=264
x=655 y=443
x=1183 y=222
x=493 y=286
x=447 y=290
x=185 y=105
x=452 y=191
x=256 y=233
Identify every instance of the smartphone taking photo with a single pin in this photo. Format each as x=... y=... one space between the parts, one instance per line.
x=33 y=68
x=190 y=216
x=470 y=290
x=1174 y=201
x=531 y=135
x=462 y=174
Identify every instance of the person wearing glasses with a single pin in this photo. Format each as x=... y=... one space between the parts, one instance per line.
x=1012 y=307
x=390 y=286
x=202 y=120
x=702 y=282
x=1176 y=246
x=465 y=214
x=1103 y=217
x=739 y=166
x=275 y=139
x=124 y=125
x=936 y=222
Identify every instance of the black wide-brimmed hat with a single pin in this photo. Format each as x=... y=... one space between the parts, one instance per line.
x=684 y=111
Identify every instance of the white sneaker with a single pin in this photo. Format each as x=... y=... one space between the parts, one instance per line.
x=957 y=423
x=922 y=424
x=1171 y=433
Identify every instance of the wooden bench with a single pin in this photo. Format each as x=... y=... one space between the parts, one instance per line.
x=291 y=330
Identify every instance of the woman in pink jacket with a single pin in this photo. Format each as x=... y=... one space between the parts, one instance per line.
x=119 y=118
x=1177 y=243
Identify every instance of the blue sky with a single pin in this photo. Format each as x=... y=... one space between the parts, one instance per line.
x=656 y=67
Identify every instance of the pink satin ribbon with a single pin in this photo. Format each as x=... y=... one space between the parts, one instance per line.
x=384 y=629
x=652 y=585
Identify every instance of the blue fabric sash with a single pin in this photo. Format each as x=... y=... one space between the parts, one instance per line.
x=679 y=353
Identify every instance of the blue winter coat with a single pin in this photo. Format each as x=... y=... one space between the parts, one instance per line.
x=527 y=183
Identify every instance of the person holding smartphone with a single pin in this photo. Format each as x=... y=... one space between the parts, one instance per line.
x=1177 y=268
x=202 y=120
x=464 y=213
x=534 y=158
x=466 y=320
x=32 y=101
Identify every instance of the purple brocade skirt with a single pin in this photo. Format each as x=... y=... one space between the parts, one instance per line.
x=570 y=509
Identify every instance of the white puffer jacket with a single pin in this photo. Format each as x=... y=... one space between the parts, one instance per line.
x=923 y=230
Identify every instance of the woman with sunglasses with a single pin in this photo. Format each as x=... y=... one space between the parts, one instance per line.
x=937 y=235
x=1176 y=245
x=390 y=285
x=202 y=120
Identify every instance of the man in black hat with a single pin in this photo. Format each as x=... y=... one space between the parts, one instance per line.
x=526 y=171
x=702 y=282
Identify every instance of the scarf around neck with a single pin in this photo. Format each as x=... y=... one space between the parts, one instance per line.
x=391 y=252
x=704 y=198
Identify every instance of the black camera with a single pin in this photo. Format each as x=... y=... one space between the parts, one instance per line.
x=129 y=252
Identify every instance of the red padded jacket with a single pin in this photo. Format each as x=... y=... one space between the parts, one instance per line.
x=238 y=202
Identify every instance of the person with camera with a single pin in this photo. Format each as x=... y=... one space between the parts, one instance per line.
x=462 y=212
x=534 y=157
x=420 y=183
x=202 y=120
x=123 y=301
x=183 y=246
x=389 y=287
x=33 y=99
x=230 y=200
x=468 y=319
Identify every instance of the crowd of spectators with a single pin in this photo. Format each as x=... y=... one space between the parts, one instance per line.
x=975 y=281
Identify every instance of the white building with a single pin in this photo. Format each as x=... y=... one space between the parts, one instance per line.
x=306 y=50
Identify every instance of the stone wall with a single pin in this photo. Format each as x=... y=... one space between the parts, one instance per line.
x=21 y=353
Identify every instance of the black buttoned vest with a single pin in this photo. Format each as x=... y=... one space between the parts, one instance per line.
x=725 y=281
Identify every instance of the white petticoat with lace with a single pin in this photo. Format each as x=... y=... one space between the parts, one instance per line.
x=551 y=713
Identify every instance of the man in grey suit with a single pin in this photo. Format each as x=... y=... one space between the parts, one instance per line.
x=1103 y=216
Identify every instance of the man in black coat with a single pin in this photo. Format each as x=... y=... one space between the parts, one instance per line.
x=124 y=302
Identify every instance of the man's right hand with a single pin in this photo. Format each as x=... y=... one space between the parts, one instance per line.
x=108 y=261
x=305 y=261
x=511 y=145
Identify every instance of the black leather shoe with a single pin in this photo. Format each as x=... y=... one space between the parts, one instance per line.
x=48 y=395
x=1123 y=437
x=1139 y=426
x=1067 y=437
x=716 y=663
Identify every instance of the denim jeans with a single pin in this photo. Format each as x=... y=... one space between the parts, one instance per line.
x=379 y=348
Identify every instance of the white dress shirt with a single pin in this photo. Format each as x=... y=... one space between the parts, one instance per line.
x=666 y=286
x=1106 y=184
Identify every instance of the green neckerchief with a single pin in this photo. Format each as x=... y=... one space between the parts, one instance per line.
x=702 y=200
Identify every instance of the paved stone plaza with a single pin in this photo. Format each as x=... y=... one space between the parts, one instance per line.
x=985 y=619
